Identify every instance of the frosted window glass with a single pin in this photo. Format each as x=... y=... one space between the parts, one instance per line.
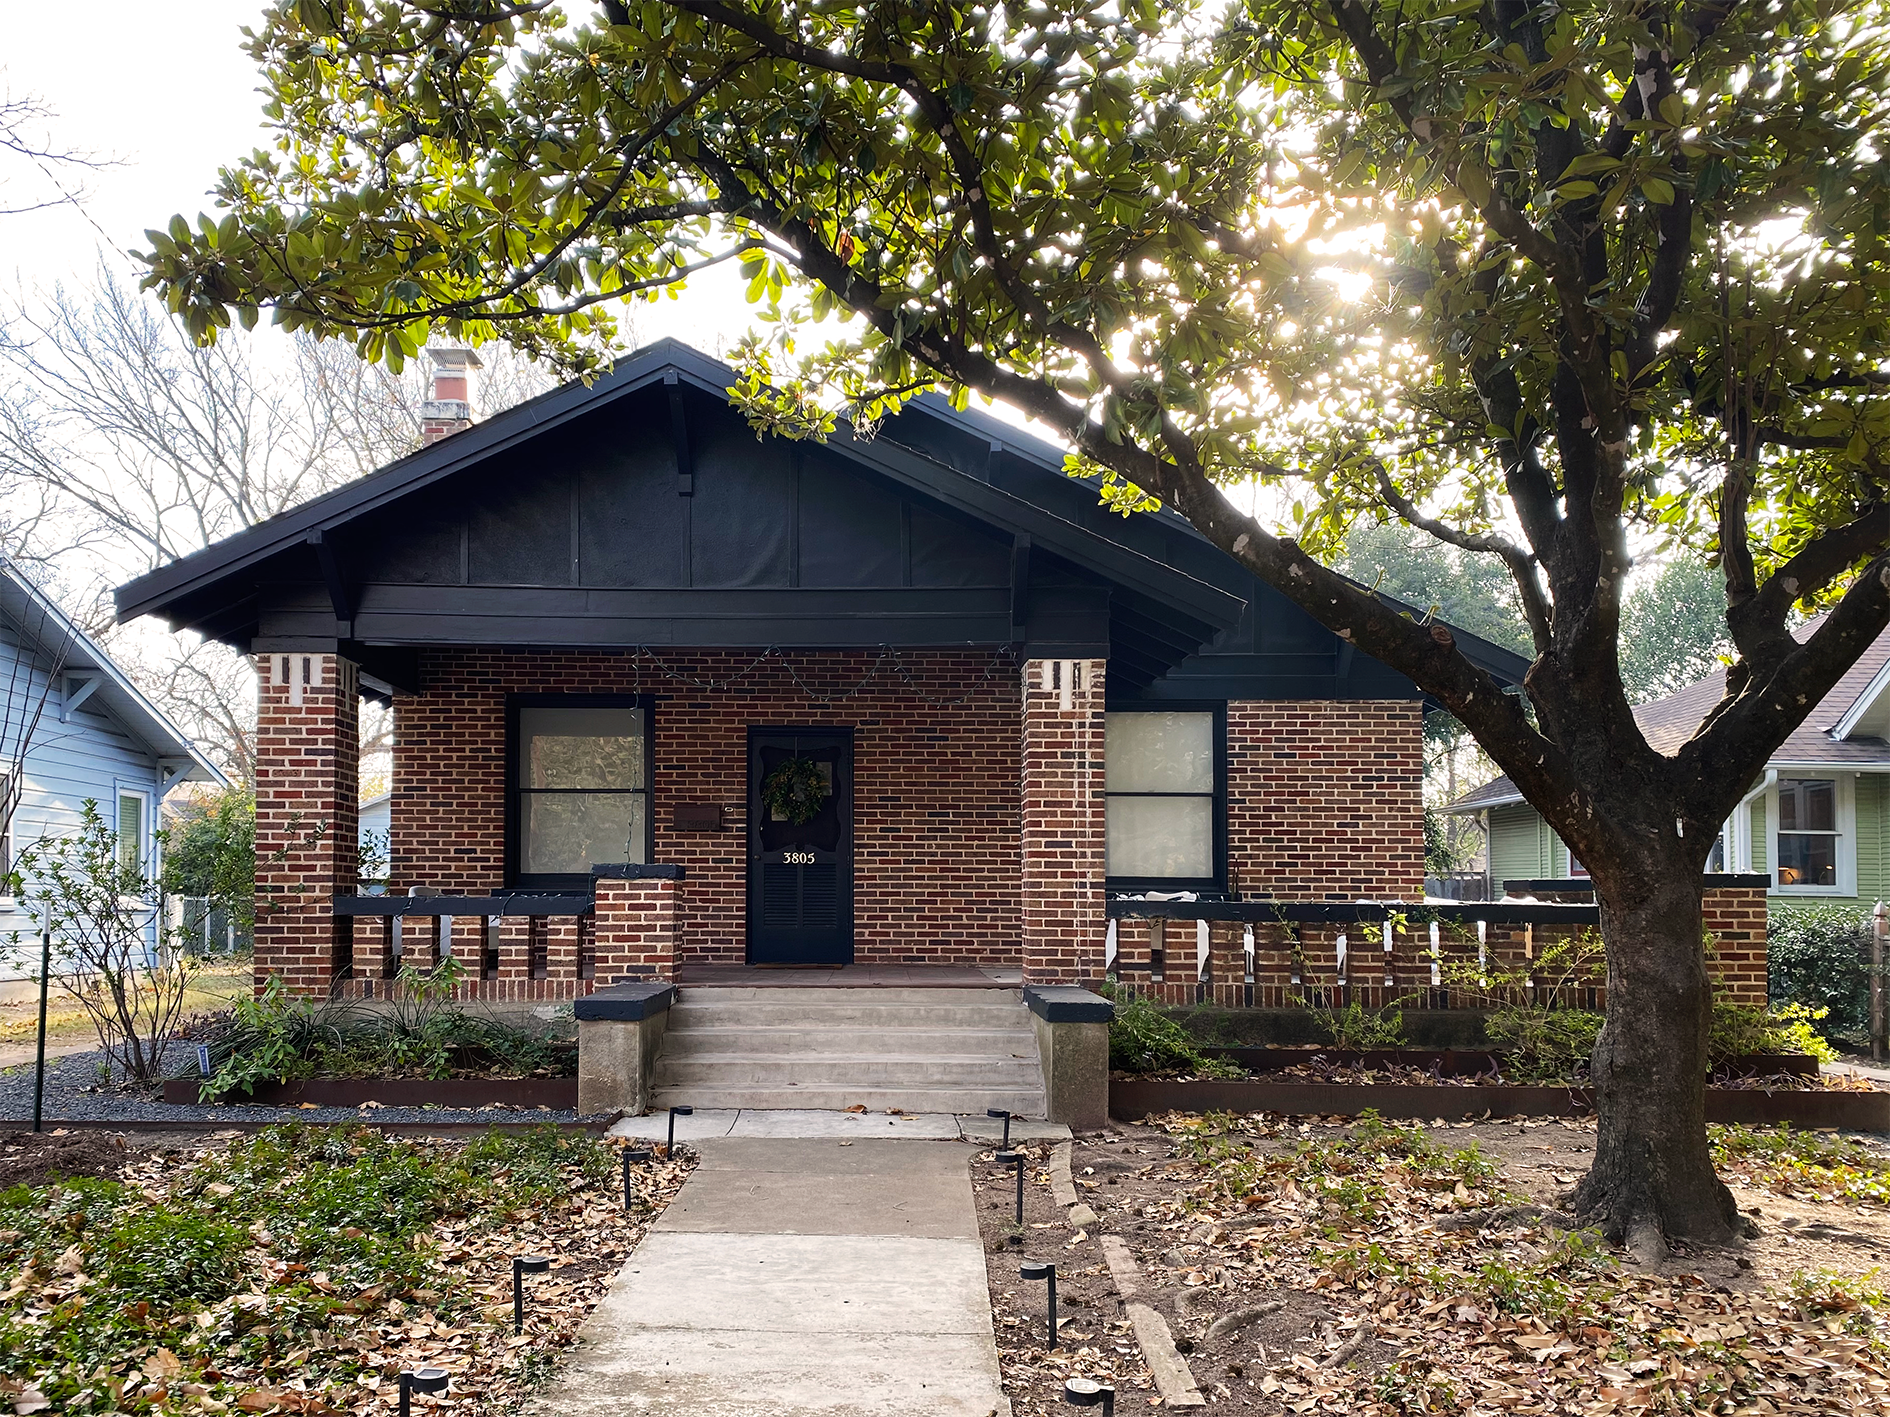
x=1159 y=752
x=567 y=833
x=580 y=747
x=1160 y=836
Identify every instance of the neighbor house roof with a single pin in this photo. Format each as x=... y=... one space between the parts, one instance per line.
x=39 y=617
x=1833 y=735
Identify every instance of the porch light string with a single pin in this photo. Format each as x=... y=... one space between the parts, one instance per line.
x=1002 y=659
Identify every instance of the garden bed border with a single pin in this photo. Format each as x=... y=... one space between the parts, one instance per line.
x=1130 y=1100
x=558 y=1094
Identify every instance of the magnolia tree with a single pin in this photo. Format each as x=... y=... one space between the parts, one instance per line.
x=1545 y=282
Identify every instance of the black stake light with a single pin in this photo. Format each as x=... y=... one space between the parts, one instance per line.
x=1015 y=1158
x=996 y=1112
x=1087 y=1392
x=1043 y=1269
x=669 y=1150
x=427 y=1380
x=523 y=1265
x=638 y=1154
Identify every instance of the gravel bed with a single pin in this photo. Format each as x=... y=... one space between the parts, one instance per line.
x=75 y=1093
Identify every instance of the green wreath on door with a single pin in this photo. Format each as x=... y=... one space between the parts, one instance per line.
x=795 y=791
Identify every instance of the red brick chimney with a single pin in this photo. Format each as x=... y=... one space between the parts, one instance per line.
x=448 y=407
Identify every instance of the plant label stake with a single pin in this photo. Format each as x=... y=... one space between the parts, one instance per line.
x=428 y=1380
x=994 y=1113
x=523 y=1265
x=669 y=1148
x=1046 y=1271
x=1087 y=1392
x=637 y=1154
x=1015 y=1158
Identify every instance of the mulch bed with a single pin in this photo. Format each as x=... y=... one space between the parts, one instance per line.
x=35 y=1158
x=1314 y=1319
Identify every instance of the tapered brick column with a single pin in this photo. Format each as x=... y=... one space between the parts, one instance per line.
x=307 y=798
x=1063 y=821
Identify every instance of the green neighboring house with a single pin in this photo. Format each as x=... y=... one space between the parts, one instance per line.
x=1817 y=823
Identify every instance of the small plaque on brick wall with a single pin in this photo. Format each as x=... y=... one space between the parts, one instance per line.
x=697 y=817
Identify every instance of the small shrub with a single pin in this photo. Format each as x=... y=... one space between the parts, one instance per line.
x=1818 y=956
x=1357 y=1027
x=1542 y=1044
x=1143 y=1039
x=1740 y=1030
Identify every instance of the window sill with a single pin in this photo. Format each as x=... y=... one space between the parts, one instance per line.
x=1814 y=891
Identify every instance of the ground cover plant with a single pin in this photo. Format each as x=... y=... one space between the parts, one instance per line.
x=1146 y=1041
x=1389 y=1270
x=302 y=1269
x=276 y=1037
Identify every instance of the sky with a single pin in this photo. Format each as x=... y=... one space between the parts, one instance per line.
x=170 y=100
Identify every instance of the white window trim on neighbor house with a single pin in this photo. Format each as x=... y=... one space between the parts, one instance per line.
x=1846 y=784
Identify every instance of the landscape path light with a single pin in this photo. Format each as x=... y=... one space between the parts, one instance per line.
x=428 y=1380
x=1044 y=1270
x=996 y=1112
x=523 y=1265
x=638 y=1154
x=1017 y=1159
x=669 y=1149
x=1087 y=1392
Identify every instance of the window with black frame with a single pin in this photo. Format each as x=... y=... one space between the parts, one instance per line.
x=581 y=788
x=1162 y=785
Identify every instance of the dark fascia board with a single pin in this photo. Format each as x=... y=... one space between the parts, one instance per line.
x=151 y=593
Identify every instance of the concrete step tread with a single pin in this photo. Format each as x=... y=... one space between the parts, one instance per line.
x=964 y=1101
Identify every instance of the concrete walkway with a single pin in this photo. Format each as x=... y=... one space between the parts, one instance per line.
x=832 y=1278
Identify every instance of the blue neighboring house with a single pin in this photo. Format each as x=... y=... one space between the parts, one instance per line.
x=97 y=736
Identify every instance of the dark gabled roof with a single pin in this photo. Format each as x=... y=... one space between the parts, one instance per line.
x=1668 y=723
x=159 y=590
x=966 y=461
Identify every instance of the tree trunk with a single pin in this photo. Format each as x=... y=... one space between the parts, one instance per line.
x=1652 y=1178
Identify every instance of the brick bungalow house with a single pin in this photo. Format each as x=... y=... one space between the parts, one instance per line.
x=670 y=699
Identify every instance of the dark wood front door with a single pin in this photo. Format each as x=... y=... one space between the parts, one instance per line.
x=800 y=873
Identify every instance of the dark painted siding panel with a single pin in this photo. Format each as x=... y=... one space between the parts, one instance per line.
x=947 y=552
x=519 y=526
x=849 y=529
x=630 y=518
x=741 y=508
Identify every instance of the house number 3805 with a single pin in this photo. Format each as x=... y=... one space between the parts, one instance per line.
x=799 y=858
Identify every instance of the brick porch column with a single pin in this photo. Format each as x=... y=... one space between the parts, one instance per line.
x=1063 y=821
x=307 y=796
x=1734 y=908
x=637 y=923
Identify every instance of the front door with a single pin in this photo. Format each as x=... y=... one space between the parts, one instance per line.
x=800 y=846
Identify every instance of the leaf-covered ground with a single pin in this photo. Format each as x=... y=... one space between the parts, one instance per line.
x=1385 y=1270
x=302 y=1269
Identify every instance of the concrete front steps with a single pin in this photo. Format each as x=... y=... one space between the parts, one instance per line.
x=921 y=1050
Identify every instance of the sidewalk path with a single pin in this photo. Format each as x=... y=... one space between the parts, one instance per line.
x=790 y=1277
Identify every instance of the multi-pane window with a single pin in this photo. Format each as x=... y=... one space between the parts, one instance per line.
x=1807 y=832
x=1162 y=784
x=582 y=788
x=130 y=830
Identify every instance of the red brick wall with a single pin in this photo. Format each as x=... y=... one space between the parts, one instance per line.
x=637 y=929
x=1063 y=821
x=1735 y=918
x=1325 y=799
x=307 y=773
x=936 y=838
